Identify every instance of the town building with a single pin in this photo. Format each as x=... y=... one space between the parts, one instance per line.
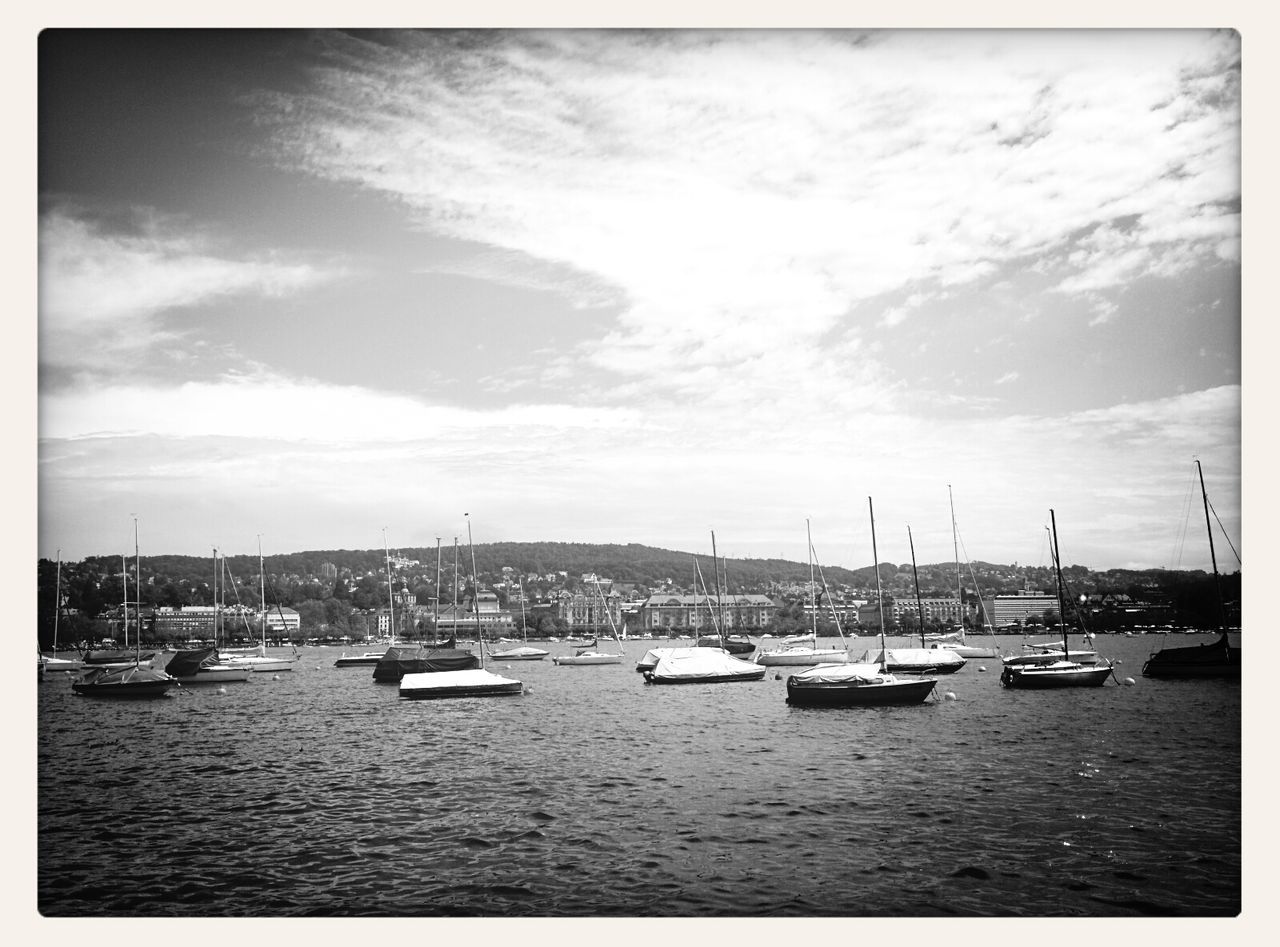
x=1016 y=609
x=590 y=610
x=743 y=613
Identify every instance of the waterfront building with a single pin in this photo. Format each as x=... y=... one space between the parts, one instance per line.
x=587 y=610
x=743 y=613
x=495 y=621
x=1016 y=609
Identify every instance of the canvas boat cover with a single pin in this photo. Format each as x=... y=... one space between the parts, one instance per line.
x=842 y=674
x=922 y=657
x=653 y=656
x=471 y=682
x=187 y=663
x=108 y=678
x=414 y=659
x=703 y=664
x=115 y=657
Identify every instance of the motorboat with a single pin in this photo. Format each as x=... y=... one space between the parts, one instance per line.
x=855 y=685
x=135 y=682
x=202 y=666
x=701 y=666
x=476 y=682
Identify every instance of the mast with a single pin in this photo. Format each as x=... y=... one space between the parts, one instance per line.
x=916 y=576
x=137 y=592
x=215 y=596
x=715 y=565
x=813 y=604
x=524 y=628
x=955 y=546
x=57 y=600
x=1217 y=582
x=124 y=571
x=884 y=654
x=391 y=603
x=262 y=592
x=475 y=594
x=437 y=610
x=1057 y=569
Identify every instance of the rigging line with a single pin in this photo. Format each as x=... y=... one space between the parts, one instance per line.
x=1224 y=531
x=706 y=594
x=1180 y=540
x=977 y=589
x=827 y=594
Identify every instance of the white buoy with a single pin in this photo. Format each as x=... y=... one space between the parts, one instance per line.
x=1129 y=682
x=949 y=695
x=221 y=690
x=981 y=668
x=275 y=677
x=317 y=667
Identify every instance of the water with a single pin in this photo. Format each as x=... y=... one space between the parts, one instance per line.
x=322 y=793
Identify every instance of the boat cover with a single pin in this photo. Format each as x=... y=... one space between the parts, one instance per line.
x=653 y=656
x=703 y=664
x=471 y=682
x=187 y=663
x=842 y=674
x=414 y=659
x=924 y=657
x=116 y=657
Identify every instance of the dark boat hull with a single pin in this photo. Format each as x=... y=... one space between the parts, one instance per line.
x=509 y=689
x=1216 y=660
x=859 y=695
x=651 y=678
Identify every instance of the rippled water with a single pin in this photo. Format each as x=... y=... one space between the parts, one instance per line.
x=322 y=793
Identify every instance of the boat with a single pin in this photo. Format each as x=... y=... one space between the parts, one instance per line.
x=859 y=684
x=135 y=681
x=51 y=662
x=651 y=657
x=921 y=660
x=955 y=641
x=202 y=666
x=803 y=650
x=522 y=652
x=259 y=662
x=701 y=666
x=1041 y=653
x=1059 y=673
x=1217 y=659
x=590 y=655
x=471 y=682
x=368 y=659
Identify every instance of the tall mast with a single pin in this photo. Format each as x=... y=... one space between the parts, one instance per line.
x=813 y=603
x=124 y=571
x=955 y=546
x=455 y=583
x=137 y=592
x=475 y=595
x=1217 y=582
x=57 y=601
x=524 y=628
x=916 y=575
x=715 y=564
x=875 y=556
x=391 y=603
x=1057 y=567
x=437 y=611
x=262 y=592
x=215 y=596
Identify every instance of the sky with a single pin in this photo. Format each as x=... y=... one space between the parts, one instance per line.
x=635 y=286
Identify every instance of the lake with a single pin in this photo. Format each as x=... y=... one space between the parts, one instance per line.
x=318 y=792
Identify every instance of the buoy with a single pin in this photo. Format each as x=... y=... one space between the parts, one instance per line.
x=1129 y=682
x=981 y=668
x=777 y=676
x=221 y=690
x=949 y=695
x=275 y=677
x=317 y=667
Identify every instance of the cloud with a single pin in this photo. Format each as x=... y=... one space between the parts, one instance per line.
x=103 y=289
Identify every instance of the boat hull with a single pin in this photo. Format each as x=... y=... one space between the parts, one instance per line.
x=1215 y=660
x=132 y=683
x=1049 y=677
x=858 y=695
x=801 y=657
x=577 y=659
x=1041 y=659
x=364 y=660
x=215 y=675
x=652 y=677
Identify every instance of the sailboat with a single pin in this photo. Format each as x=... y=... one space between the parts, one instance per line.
x=1058 y=673
x=370 y=658
x=51 y=661
x=134 y=681
x=734 y=644
x=956 y=640
x=650 y=659
x=795 y=652
x=590 y=654
x=1216 y=659
x=921 y=660
x=471 y=682
x=260 y=662
x=524 y=652
x=203 y=665
x=861 y=684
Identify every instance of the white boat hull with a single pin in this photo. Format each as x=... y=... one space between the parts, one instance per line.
x=588 y=658
x=802 y=657
x=476 y=682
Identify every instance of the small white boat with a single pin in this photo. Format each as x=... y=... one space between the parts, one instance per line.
x=477 y=682
x=1048 y=653
x=522 y=653
x=261 y=662
x=701 y=666
x=915 y=660
x=855 y=685
x=202 y=666
x=587 y=657
x=358 y=660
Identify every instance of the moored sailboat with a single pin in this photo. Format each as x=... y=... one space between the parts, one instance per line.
x=522 y=652
x=793 y=653
x=590 y=655
x=51 y=662
x=1059 y=673
x=258 y=661
x=1218 y=658
x=861 y=684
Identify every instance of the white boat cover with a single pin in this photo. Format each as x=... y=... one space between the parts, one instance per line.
x=703 y=664
x=923 y=657
x=843 y=674
x=654 y=655
x=521 y=652
x=445 y=681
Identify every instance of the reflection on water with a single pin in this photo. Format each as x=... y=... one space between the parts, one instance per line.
x=319 y=792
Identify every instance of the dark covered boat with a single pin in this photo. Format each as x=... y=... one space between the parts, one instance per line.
x=855 y=685
x=116 y=657
x=1218 y=658
x=129 y=683
x=417 y=659
x=203 y=666
x=734 y=644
